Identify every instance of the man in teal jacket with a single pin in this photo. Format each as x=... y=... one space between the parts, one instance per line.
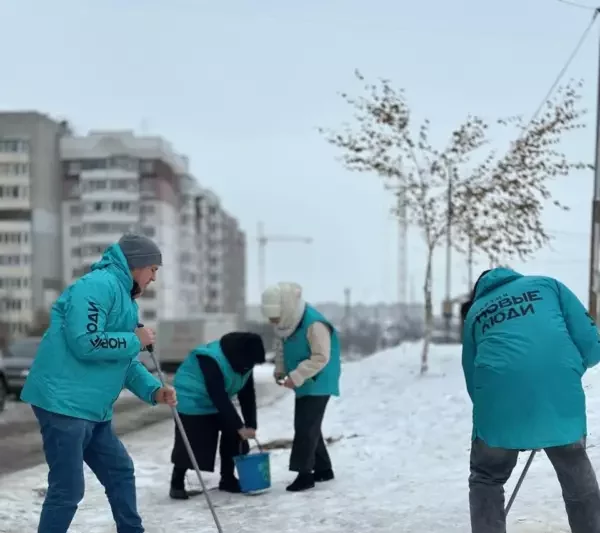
x=527 y=341
x=307 y=361
x=86 y=357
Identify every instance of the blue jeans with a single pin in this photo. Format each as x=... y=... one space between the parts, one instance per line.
x=68 y=443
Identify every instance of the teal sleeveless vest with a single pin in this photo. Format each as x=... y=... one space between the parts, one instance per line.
x=296 y=349
x=192 y=396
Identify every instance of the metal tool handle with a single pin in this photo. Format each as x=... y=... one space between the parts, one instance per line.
x=520 y=482
x=186 y=442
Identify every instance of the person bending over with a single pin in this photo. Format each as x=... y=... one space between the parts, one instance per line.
x=527 y=342
x=207 y=380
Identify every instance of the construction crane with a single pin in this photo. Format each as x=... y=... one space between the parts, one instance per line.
x=263 y=240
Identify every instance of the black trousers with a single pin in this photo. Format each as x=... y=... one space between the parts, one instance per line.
x=309 y=452
x=491 y=468
x=203 y=432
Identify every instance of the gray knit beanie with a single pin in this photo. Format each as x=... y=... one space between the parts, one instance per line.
x=140 y=251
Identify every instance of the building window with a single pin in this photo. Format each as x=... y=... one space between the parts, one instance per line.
x=80 y=271
x=93 y=164
x=148 y=231
x=130 y=185
x=18 y=328
x=94 y=207
x=149 y=314
x=96 y=228
x=76 y=231
x=148 y=186
x=93 y=185
x=75 y=209
x=14 y=191
x=14 y=145
x=73 y=168
x=14 y=237
x=147 y=209
x=11 y=260
x=124 y=207
x=14 y=169
x=123 y=162
x=89 y=250
x=14 y=283
x=12 y=304
x=74 y=188
x=147 y=166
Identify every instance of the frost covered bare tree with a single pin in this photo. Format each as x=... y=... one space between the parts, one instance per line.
x=495 y=202
x=499 y=204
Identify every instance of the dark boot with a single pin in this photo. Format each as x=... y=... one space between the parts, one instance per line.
x=230 y=484
x=323 y=475
x=178 y=494
x=177 y=491
x=302 y=482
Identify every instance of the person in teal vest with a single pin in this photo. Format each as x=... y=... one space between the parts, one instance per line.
x=210 y=376
x=307 y=361
x=86 y=357
x=527 y=342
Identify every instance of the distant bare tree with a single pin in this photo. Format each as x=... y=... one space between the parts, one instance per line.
x=442 y=186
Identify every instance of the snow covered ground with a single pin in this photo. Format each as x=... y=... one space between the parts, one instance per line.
x=401 y=465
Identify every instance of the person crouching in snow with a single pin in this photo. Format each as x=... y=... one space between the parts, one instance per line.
x=307 y=360
x=527 y=342
x=205 y=382
x=85 y=358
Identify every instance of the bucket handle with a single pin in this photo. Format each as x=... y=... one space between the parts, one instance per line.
x=258 y=445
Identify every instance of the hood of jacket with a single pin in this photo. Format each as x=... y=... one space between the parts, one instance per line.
x=493 y=279
x=114 y=261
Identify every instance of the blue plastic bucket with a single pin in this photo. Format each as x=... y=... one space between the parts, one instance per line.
x=254 y=472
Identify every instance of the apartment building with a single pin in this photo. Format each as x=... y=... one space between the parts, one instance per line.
x=234 y=267
x=115 y=182
x=192 y=286
x=30 y=229
x=65 y=197
x=223 y=255
x=211 y=249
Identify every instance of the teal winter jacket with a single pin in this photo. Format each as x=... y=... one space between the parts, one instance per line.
x=89 y=352
x=192 y=396
x=527 y=341
x=297 y=349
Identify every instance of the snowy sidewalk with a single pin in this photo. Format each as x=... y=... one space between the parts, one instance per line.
x=401 y=465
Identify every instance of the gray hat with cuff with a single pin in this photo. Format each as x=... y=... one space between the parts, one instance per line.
x=140 y=251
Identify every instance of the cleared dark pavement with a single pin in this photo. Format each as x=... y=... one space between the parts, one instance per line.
x=21 y=443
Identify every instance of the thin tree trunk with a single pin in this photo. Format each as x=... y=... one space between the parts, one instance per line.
x=428 y=312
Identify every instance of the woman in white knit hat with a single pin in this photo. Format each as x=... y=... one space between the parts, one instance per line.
x=307 y=361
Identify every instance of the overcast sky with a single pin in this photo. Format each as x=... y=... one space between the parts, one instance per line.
x=242 y=86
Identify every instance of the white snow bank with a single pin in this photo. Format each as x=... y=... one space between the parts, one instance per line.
x=401 y=465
